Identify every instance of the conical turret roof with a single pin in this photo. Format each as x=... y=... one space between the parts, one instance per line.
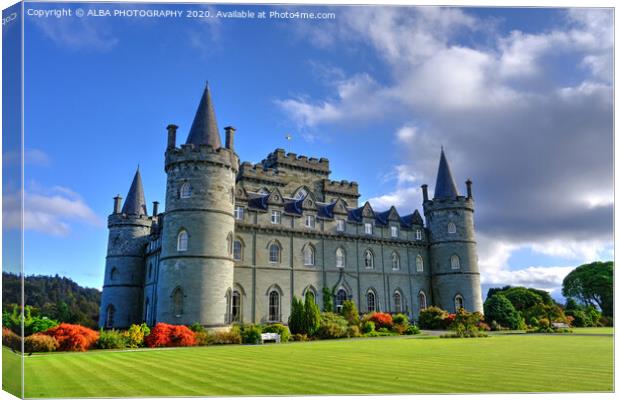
x=135 y=203
x=204 y=128
x=445 y=188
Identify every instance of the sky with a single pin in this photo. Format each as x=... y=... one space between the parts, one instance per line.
x=520 y=99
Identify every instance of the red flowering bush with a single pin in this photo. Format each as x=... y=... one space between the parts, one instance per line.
x=381 y=320
x=11 y=340
x=448 y=320
x=165 y=335
x=73 y=337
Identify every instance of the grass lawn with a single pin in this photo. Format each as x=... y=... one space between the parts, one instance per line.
x=503 y=363
x=598 y=331
x=11 y=372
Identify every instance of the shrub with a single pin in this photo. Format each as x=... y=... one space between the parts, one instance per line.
x=332 y=326
x=312 y=315
x=111 y=339
x=328 y=302
x=412 y=330
x=197 y=327
x=353 y=331
x=400 y=319
x=349 y=312
x=498 y=308
x=39 y=343
x=466 y=324
x=368 y=326
x=11 y=340
x=232 y=336
x=250 y=334
x=135 y=335
x=285 y=334
x=38 y=324
x=73 y=337
x=483 y=326
x=447 y=321
x=381 y=320
x=432 y=318
x=202 y=338
x=296 y=318
x=166 y=335
x=296 y=337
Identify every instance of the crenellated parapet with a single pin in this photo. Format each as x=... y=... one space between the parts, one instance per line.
x=204 y=153
x=459 y=202
x=342 y=187
x=280 y=159
x=259 y=173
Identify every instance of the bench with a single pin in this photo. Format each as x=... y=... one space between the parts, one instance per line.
x=558 y=325
x=267 y=337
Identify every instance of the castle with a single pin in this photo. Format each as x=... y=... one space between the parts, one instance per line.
x=238 y=240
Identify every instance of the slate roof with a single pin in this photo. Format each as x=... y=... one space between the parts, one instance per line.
x=135 y=203
x=355 y=214
x=294 y=206
x=412 y=219
x=259 y=202
x=326 y=210
x=445 y=188
x=382 y=217
x=204 y=128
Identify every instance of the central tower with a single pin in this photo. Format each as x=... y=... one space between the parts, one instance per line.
x=196 y=262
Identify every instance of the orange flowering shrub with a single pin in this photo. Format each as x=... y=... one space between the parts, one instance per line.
x=73 y=337
x=381 y=320
x=166 y=335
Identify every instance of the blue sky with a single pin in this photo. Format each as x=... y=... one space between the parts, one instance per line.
x=514 y=96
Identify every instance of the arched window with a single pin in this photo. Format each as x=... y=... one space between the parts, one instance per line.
x=300 y=194
x=451 y=227
x=341 y=297
x=146 y=310
x=455 y=262
x=419 y=263
x=371 y=301
x=109 y=316
x=309 y=291
x=395 y=261
x=398 y=302
x=182 y=241
x=340 y=258
x=458 y=302
x=150 y=270
x=238 y=250
x=274 y=253
x=186 y=190
x=235 y=311
x=177 y=302
x=369 y=259
x=113 y=274
x=422 y=300
x=274 y=306
x=309 y=255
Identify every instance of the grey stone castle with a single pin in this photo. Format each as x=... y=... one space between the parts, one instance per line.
x=238 y=240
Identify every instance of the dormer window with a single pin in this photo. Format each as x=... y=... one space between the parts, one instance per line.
x=301 y=193
x=368 y=228
x=310 y=222
x=394 y=231
x=186 y=191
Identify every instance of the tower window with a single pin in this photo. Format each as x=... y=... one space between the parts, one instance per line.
x=418 y=234
x=368 y=228
x=109 y=316
x=451 y=228
x=113 y=274
x=419 y=263
x=274 y=253
x=371 y=301
x=455 y=262
x=340 y=258
x=182 y=241
x=310 y=221
x=235 y=311
x=458 y=302
x=177 y=302
x=340 y=225
x=369 y=259
x=398 y=302
x=394 y=231
x=186 y=191
x=309 y=255
x=237 y=250
x=146 y=310
x=275 y=217
x=239 y=213
x=422 y=300
x=274 y=306
x=395 y=261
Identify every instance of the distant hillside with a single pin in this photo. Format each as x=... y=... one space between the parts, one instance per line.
x=55 y=297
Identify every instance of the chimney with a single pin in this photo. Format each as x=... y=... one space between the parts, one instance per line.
x=425 y=192
x=172 y=136
x=230 y=137
x=117 y=204
x=468 y=183
x=155 y=208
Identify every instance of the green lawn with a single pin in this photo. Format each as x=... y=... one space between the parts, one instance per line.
x=11 y=372
x=506 y=363
x=598 y=331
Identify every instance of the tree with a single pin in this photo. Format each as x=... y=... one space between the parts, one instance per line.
x=349 y=312
x=296 y=318
x=312 y=315
x=592 y=284
x=499 y=309
x=522 y=298
x=328 y=301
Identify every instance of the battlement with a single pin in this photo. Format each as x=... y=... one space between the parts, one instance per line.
x=259 y=172
x=278 y=158
x=117 y=220
x=203 y=153
x=458 y=202
x=341 y=187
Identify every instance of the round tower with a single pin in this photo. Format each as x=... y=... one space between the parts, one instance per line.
x=454 y=260
x=129 y=228
x=196 y=262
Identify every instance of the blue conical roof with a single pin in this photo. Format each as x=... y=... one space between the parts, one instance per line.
x=204 y=128
x=135 y=203
x=445 y=188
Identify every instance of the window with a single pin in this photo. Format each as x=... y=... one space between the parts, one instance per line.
x=340 y=225
x=301 y=193
x=177 y=302
x=275 y=217
x=239 y=213
x=146 y=311
x=274 y=253
x=186 y=190
x=398 y=302
x=309 y=255
x=235 y=310
x=309 y=221
x=182 y=241
x=422 y=300
x=369 y=259
x=113 y=274
x=341 y=297
x=109 y=316
x=340 y=258
x=368 y=228
x=394 y=231
x=458 y=302
x=150 y=270
x=274 y=306
x=451 y=227
x=395 y=261
x=237 y=250
x=370 y=301
x=419 y=263
x=418 y=234
x=455 y=262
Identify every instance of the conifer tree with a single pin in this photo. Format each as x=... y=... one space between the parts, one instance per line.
x=296 y=318
x=328 y=302
x=312 y=314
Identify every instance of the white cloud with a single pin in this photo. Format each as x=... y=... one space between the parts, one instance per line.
x=406 y=134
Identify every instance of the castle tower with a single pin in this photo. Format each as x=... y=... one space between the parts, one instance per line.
x=196 y=262
x=454 y=262
x=124 y=271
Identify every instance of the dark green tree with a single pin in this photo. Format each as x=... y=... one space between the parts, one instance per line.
x=350 y=313
x=592 y=284
x=312 y=315
x=499 y=309
x=296 y=318
x=328 y=300
x=522 y=298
